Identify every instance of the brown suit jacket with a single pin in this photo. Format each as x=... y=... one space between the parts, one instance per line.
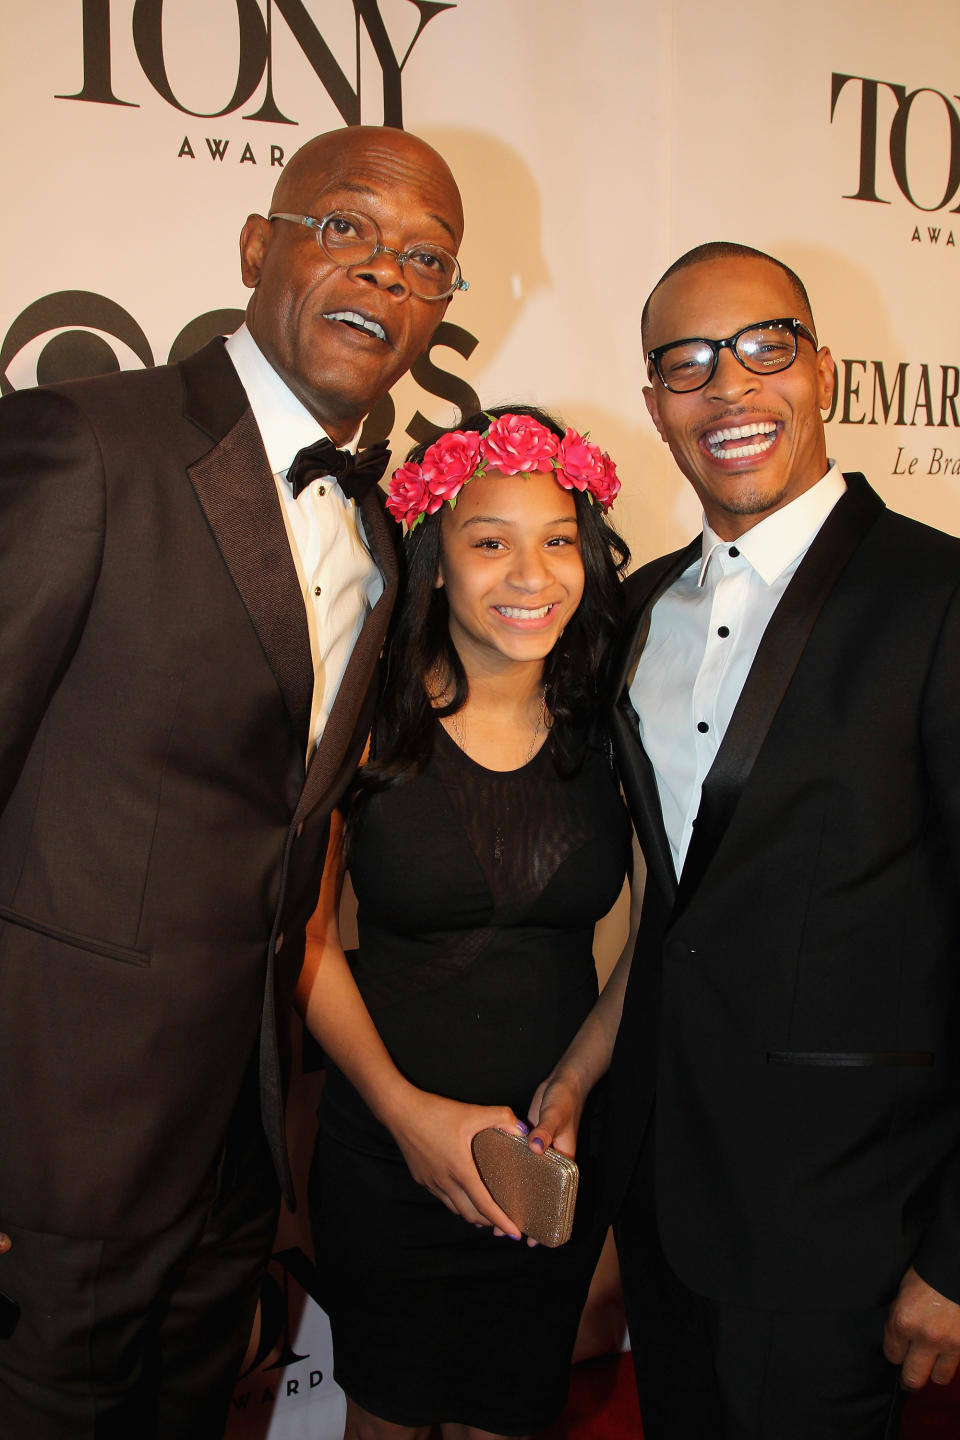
x=161 y=840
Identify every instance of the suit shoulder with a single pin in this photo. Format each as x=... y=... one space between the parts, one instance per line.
x=891 y=526
x=100 y=393
x=916 y=547
x=918 y=533
x=120 y=393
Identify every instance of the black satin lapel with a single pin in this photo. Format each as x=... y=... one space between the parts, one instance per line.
x=239 y=498
x=643 y=799
x=636 y=773
x=777 y=658
x=382 y=539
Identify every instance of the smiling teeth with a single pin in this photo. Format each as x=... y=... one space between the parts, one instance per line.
x=717 y=438
x=352 y=318
x=514 y=612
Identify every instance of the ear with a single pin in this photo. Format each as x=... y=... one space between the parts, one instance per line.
x=826 y=378
x=650 y=397
x=255 y=238
x=438 y=581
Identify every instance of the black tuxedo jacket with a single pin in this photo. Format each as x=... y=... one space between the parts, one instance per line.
x=791 y=1017
x=161 y=839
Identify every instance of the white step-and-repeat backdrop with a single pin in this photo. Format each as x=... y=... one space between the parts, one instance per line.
x=594 y=141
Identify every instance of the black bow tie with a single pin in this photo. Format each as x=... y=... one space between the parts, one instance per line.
x=355 y=474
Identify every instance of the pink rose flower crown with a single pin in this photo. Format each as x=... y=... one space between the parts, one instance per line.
x=513 y=444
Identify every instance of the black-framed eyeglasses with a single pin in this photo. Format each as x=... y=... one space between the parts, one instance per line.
x=351 y=238
x=763 y=348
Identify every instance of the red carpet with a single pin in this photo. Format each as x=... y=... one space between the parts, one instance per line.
x=933 y=1414
x=603 y=1406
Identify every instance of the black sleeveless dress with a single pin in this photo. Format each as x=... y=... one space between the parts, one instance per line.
x=478 y=892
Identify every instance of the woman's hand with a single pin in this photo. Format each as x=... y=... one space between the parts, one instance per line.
x=435 y=1135
x=555 y=1112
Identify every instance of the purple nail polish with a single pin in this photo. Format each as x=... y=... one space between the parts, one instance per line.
x=537 y=1144
x=522 y=1128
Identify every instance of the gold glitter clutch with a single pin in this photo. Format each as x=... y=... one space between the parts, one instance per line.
x=537 y=1191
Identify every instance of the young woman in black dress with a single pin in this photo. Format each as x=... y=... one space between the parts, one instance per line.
x=486 y=838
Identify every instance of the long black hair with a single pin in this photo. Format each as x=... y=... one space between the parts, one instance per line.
x=419 y=642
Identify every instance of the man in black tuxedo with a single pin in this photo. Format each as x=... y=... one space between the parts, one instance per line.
x=784 y=1106
x=190 y=623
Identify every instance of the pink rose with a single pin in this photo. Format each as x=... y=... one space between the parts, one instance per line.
x=515 y=443
x=580 y=464
x=607 y=488
x=449 y=463
x=407 y=495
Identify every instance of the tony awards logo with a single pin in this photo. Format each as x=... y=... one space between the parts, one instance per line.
x=908 y=155
x=257 y=82
x=908 y=147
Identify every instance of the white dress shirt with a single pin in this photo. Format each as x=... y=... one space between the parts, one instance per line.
x=704 y=634
x=338 y=578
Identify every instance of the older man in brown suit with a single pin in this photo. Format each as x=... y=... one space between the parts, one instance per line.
x=190 y=620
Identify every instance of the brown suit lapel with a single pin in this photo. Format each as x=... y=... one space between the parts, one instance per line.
x=237 y=491
x=777 y=658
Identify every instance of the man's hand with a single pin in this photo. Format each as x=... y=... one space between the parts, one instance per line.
x=922 y=1334
x=4 y=1243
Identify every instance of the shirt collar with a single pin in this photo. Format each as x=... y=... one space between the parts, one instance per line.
x=284 y=422
x=779 y=540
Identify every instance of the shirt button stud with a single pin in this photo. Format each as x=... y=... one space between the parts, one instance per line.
x=316 y=590
x=734 y=552
x=723 y=631
x=322 y=490
x=702 y=726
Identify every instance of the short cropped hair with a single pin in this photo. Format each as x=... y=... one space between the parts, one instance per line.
x=727 y=250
